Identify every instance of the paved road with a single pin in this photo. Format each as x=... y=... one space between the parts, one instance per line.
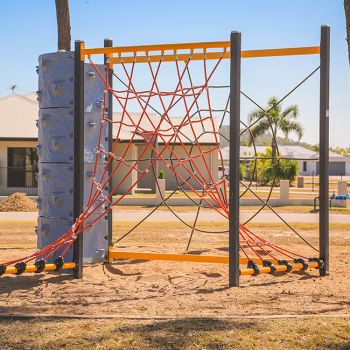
x=137 y=215
x=159 y=216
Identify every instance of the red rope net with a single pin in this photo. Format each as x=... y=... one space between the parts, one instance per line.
x=177 y=143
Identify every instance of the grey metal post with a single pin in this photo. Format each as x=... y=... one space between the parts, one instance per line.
x=78 y=154
x=235 y=87
x=109 y=43
x=324 y=149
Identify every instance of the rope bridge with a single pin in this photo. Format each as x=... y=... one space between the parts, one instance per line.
x=175 y=122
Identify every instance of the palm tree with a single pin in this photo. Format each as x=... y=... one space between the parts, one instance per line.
x=274 y=120
x=63 y=24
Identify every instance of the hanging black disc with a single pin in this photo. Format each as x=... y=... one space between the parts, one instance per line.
x=21 y=267
x=40 y=265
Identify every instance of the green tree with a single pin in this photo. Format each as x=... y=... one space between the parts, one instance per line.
x=267 y=171
x=243 y=171
x=342 y=151
x=274 y=120
x=316 y=148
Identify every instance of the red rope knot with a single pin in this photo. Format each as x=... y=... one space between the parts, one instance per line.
x=223 y=53
x=111 y=154
x=106 y=198
x=97 y=184
x=77 y=225
x=74 y=232
x=100 y=190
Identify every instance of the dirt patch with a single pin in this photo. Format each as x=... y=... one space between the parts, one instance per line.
x=18 y=202
x=158 y=288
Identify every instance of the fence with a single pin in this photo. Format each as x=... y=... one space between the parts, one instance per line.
x=18 y=179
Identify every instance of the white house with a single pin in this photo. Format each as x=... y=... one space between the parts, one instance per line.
x=176 y=154
x=308 y=160
x=19 y=137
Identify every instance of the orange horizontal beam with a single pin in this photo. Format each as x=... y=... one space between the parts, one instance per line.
x=287 y=51
x=116 y=254
x=157 y=47
x=32 y=268
x=168 y=58
x=155 y=53
x=215 y=55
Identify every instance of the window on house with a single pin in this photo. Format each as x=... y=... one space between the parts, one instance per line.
x=304 y=166
x=22 y=167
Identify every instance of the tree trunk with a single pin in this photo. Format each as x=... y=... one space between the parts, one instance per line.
x=63 y=24
x=273 y=153
x=347 y=19
x=274 y=145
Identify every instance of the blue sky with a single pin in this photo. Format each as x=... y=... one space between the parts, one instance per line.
x=28 y=29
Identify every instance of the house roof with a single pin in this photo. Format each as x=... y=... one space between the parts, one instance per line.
x=290 y=151
x=18 y=116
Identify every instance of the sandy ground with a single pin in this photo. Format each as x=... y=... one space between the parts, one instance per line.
x=189 y=214
x=158 y=289
x=264 y=216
